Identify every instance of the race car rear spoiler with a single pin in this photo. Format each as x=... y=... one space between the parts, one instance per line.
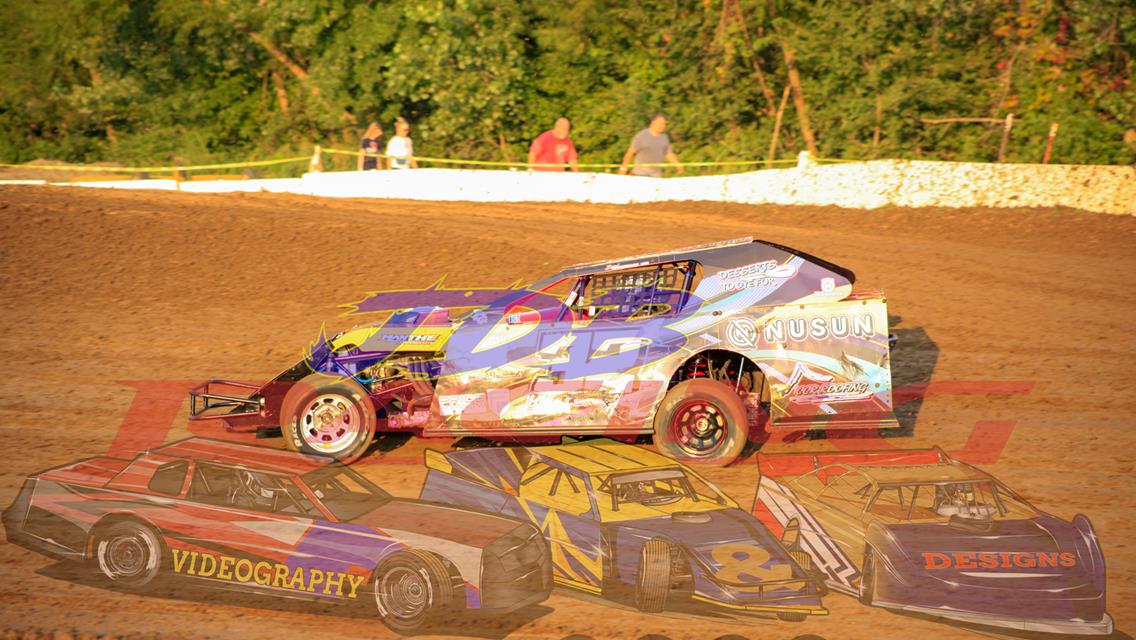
x=774 y=465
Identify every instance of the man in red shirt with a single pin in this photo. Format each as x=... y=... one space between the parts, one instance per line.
x=553 y=147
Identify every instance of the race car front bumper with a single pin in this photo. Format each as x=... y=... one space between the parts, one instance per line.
x=206 y=404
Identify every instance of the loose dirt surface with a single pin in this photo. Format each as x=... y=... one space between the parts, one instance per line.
x=110 y=296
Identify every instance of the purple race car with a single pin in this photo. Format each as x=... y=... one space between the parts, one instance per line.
x=625 y=522
x=920 y=532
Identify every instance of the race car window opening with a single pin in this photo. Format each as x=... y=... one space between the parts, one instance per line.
x=633 y=294
x=655 y=487
x=169 y=478
x=937 y=500
x=226 y=486
x=344 y=493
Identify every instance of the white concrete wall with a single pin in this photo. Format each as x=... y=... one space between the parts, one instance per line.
x=862 y=185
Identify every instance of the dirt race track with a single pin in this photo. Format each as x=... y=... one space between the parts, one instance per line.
x=111 y=296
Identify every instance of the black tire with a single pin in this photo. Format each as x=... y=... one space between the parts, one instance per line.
x=868 y=578
x=653 y=582
x=412 y=589
x=701 y=421
x=128 y=554
x=343 y=406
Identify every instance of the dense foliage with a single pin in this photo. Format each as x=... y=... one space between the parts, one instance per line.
x=214 y=80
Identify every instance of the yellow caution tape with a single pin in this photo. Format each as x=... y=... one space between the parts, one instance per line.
x=322 y=150
x=194 y=167
x=582 y=165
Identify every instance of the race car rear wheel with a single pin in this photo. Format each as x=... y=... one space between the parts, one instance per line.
x=129 y=554
x=701 y=421
x=411 y=589
x=653 y=583
x=328 y=416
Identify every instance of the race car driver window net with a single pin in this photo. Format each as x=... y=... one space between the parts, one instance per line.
x=634 y=294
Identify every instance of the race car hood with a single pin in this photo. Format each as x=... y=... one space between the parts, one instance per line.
x=1042 y=550
x=423 y=329
x=437 y=521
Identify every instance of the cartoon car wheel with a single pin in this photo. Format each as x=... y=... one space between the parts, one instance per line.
x=868 y=577
x=701 y=421
x=327 y=416
x=129 y=554
x=653 y=584
x=411 y=588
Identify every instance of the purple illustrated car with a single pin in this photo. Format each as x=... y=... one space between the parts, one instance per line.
x=917 y=531
x=245 y=518
x=626 y=523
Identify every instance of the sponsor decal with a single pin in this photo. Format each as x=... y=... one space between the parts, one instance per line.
x=454 y=405
x=742 y=333
x=827 y=287
x=819 y=328
x=266 y=574
x=998 y=560
x=829 y=392
x=759 y=274
x=806 y=386
x=410 y=339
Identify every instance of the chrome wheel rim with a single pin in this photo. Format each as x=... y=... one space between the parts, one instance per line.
x=126 y=557
x=403 y=593
x=331 y=423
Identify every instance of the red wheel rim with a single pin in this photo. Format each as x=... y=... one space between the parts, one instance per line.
x=699 y=428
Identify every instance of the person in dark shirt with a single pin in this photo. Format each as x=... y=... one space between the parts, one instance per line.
x=371 y=143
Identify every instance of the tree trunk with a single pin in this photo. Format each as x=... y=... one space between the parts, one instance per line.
x=876 y=131
x=283 y=59
x=281 y=92
x=766 y=90
x=799 y=98
x=777 y=128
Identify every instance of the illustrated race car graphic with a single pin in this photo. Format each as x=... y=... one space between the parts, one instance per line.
x=688 y=345
x=916 y=531
x=245 y=517
x=625 y=522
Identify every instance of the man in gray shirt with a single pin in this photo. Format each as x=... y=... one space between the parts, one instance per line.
x=650 y=146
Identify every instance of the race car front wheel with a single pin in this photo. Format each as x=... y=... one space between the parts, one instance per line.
x=128 y=554
x=412 y=588
x=653 y=584
x=328 y=416
x=701 y=421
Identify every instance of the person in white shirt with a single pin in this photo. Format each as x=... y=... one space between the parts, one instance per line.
x=400 y=148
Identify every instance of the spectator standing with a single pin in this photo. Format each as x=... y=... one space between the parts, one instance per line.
x=650 y=146
x=554 y=147
x=371 y=143
x=400 y=149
